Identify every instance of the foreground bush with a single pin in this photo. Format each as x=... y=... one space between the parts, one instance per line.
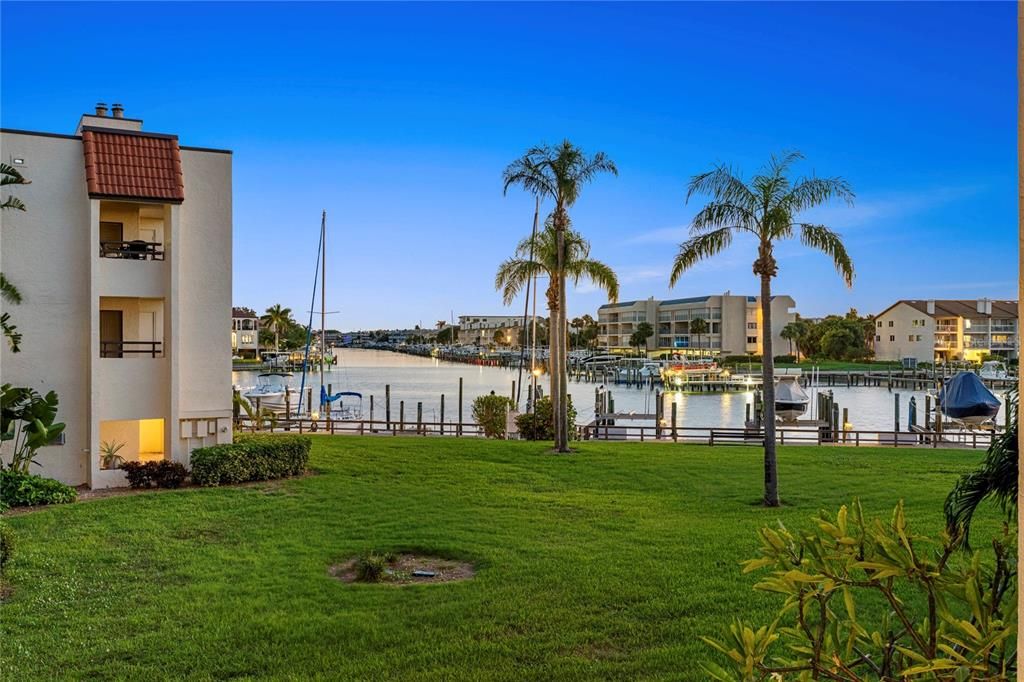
x=490 y=412
x=962 y=628
x=18 y=489
x=251 y=458
x=162 y=474
x=540 y=424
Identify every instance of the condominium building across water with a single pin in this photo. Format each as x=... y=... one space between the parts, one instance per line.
x=733 y=324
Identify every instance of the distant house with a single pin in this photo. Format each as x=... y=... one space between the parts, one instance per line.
x=124 y=260
x=484 y=330
x=950 y=329
x=245 y=333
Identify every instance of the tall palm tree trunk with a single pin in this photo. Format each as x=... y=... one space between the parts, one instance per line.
x=562 y=429
x=554 y=354
x=771 y=469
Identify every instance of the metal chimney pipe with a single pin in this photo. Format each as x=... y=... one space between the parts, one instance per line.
x=101 y=108
x=117 y=110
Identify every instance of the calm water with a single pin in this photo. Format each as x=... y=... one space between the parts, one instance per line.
x=415 y=379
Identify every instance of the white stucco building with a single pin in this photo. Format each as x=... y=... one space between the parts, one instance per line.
x=245 y=332
x=733 y=324
x=480 y=330
x=123 y=258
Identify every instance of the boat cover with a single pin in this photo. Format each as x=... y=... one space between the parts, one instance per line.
x=965 y=395
x=790 y=392
x=325 y=398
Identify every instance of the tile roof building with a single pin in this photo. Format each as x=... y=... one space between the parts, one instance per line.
x=123 y=256
x=945 y=330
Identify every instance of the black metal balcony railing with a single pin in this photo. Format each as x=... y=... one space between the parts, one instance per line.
x=135 y=249
x=118 y=349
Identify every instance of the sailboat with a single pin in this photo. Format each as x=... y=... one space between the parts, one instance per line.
x=342 y=411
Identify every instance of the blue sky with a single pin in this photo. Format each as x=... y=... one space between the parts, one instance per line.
x=399 y=118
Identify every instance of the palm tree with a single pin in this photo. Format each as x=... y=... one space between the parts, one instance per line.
x=9 y=175
x=540 y=256
x=996 y=478
x=277 y=319
x=558 y=173
x=698 y=327
x=767 y=207
x=792 y=332
x=639 y=338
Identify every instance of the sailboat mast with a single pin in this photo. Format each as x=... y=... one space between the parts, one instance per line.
x=323 y=293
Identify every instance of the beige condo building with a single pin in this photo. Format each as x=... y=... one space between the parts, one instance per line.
x=123 y=258
x=733 y=322
x=952 y=329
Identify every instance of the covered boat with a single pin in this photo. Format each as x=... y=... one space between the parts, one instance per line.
x=965 y=399
x=790 y=398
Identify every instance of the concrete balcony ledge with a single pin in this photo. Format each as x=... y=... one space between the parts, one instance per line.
x=133 y=278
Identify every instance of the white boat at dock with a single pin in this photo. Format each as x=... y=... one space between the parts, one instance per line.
x=791 y=400
x=270 y=386
x=994 y=369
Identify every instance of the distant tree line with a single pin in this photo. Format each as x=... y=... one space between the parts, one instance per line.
x=836 y=337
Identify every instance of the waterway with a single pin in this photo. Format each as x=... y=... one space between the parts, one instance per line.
x=416 y=379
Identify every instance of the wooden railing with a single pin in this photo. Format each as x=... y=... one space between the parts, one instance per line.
x=713 y=436
x=135 y=249
x=118 y=349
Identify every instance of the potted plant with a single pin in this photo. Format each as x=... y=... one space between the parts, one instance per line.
x=109 y=459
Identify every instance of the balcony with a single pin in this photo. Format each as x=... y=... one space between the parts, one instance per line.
x=119 y=349
x=135 y=249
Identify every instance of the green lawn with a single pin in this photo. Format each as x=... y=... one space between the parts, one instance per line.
x=605 y=564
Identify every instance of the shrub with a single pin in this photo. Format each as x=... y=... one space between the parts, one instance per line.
x=489 y=411
x=784 y=359
x=162 y=474
x=252 y=457
x=540 y=424
x=370 y=567
x=18 y=489
x=962 y=627
x=6 y=545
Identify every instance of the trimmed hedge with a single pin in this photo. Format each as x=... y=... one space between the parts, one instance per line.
x=19 y=489
x=162 y=474
x=251 y=458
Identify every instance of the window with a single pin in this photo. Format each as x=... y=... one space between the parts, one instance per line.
x=246 y=338
x=879 y=323
x=751 y=325
x=914 y=323
x=911 y=338
x=751 y=339
x=890 y=323
x=918 y=337
x=892 y=339
x=878 y=338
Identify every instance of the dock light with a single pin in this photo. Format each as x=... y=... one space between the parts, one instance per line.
x=314 y=415
x=677 y=380
x=536 y=371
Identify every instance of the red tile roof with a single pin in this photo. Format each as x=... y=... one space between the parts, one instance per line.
x=130 y=165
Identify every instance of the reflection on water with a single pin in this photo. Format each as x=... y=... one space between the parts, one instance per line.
x=415 y=379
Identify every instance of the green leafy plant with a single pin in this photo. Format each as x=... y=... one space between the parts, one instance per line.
x=540 y=423
x=109 y=459
x=162 y=474
x=6 y=545
x=27 y=419
x=369 y=568
x=252 y=457
x=19 y=489
x=258 y=418
x=946 y=620
x=996 y=478
x=490 y=412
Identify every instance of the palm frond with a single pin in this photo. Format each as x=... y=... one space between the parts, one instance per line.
x=778 y=164
x=597 y=272
x=811 y=192
x=8 y=292
x=9 y=175
x=514 y=275
x=724 y=186
x=830 y=243
x=532 y=173
x=13 y=203
x=718 y=214
x=696 y=249
x=996 y=478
